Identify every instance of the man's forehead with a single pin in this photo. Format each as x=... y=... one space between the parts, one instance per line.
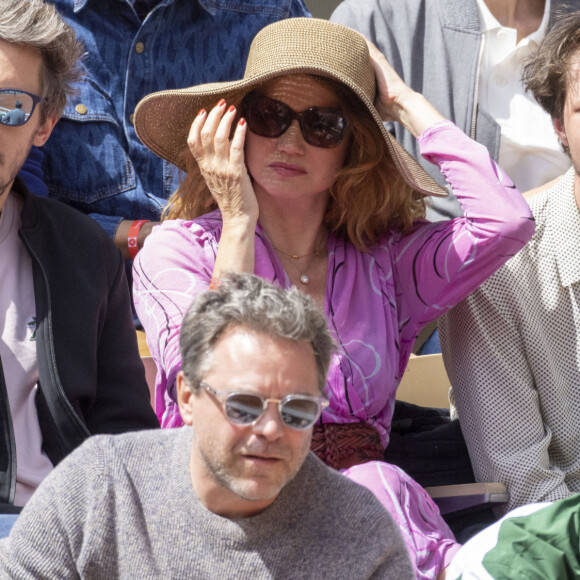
x=20 y=67
x=245 y=356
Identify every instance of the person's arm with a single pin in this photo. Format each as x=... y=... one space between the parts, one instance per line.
x=49 y=536
x=175 y=265
x=121 y=400
x=443 y=262
x=396 y=101
x=121 y=238
x=222 y=165
x=496 y=397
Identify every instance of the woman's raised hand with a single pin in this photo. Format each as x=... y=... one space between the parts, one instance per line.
x=221 y=162
x=396 y=101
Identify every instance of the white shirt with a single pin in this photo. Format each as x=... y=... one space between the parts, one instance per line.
x=512 y=352
x=18 y=352
x=530 y=152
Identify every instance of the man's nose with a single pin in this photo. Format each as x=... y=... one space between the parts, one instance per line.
x=269 y=424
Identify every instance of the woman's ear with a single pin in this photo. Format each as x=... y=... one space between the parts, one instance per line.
x=560 y=131
x=184 y=399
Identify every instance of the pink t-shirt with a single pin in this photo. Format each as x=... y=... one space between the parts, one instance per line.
x=18 y=352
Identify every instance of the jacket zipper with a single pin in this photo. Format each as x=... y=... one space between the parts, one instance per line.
x=476 y=90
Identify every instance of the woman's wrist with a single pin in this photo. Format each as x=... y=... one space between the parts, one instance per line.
x=416 y=113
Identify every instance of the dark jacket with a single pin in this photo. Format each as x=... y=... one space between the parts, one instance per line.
x=91 y=377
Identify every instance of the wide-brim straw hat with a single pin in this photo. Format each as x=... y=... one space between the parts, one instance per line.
x=291 y=46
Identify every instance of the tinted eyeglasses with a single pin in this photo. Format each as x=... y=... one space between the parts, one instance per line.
x=17 y=106
x=298 y=412
x=320 y=127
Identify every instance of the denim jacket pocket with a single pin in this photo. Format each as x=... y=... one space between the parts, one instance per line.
x=85 y=156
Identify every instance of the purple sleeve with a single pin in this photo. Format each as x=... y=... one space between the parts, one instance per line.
x=174 y=266
x=440 y=263
x=429 y=540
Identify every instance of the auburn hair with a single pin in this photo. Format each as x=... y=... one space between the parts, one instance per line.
x=368 y=197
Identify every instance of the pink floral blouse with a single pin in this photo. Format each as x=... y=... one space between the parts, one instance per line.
x=376 y=302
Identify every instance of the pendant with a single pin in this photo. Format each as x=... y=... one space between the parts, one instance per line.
x=304 y=279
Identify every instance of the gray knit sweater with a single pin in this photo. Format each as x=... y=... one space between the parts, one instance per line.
x=123 y=507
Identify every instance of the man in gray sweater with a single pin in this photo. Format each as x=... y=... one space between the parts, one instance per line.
x=234 y=493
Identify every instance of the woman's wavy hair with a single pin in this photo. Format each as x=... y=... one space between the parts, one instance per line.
x=368 y=197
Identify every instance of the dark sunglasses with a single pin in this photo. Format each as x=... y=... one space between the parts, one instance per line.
x=17 y=106
x=270 y=118
x=298 y=412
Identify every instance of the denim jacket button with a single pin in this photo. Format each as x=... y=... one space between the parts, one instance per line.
x=81 y=109
x=139 y=47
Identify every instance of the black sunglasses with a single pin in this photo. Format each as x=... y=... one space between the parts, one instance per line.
x=298 y=412
x=267 y=117
x=17 y=106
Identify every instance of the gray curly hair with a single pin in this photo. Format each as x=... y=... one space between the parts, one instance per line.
x=249 y=301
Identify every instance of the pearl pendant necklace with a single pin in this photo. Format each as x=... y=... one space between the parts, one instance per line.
x=304 y=278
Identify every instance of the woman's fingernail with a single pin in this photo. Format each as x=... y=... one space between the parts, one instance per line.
x=242 y=122
x=221 y=103
x=201 y=113
x=231 y=109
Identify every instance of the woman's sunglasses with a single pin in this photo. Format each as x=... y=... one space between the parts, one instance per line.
x=17 y=106
x=270 y=118
x=298 y=412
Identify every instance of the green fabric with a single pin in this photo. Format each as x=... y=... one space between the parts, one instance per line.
x=543 y=545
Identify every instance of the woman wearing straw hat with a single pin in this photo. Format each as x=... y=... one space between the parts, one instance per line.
x=292 y=175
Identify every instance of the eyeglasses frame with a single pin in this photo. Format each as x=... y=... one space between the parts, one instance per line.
x=35 y=101
x=293 y=115
x=222 y=397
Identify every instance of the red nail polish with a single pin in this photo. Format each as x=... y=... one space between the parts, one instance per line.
x=221 y=103
x=242 y=122
x=231 y=109
x=201 y=113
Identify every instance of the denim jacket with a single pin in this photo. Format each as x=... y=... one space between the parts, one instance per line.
x=94 y=160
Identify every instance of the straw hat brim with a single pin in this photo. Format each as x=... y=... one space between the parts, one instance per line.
x=163 y=119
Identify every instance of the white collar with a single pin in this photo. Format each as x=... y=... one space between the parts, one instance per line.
x=488 y=22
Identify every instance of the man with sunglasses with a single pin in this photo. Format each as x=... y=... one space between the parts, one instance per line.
x=69 y=364
x=233 y=493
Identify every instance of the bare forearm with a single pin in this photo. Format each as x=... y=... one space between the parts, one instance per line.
x=236 y=248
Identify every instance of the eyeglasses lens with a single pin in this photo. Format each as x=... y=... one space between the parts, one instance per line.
x=324 y=128
x=300 y=413
x=270 y=118
x=15 y=108
x=243 y=409
x=296 y=413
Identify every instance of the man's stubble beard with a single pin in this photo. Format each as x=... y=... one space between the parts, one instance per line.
x=218 y=469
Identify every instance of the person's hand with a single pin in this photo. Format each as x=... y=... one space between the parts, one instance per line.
x=396 y=101
x=221 y=162
x=392 y=91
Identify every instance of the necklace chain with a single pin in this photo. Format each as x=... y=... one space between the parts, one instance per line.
x=295 y=256
x=304 y=278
